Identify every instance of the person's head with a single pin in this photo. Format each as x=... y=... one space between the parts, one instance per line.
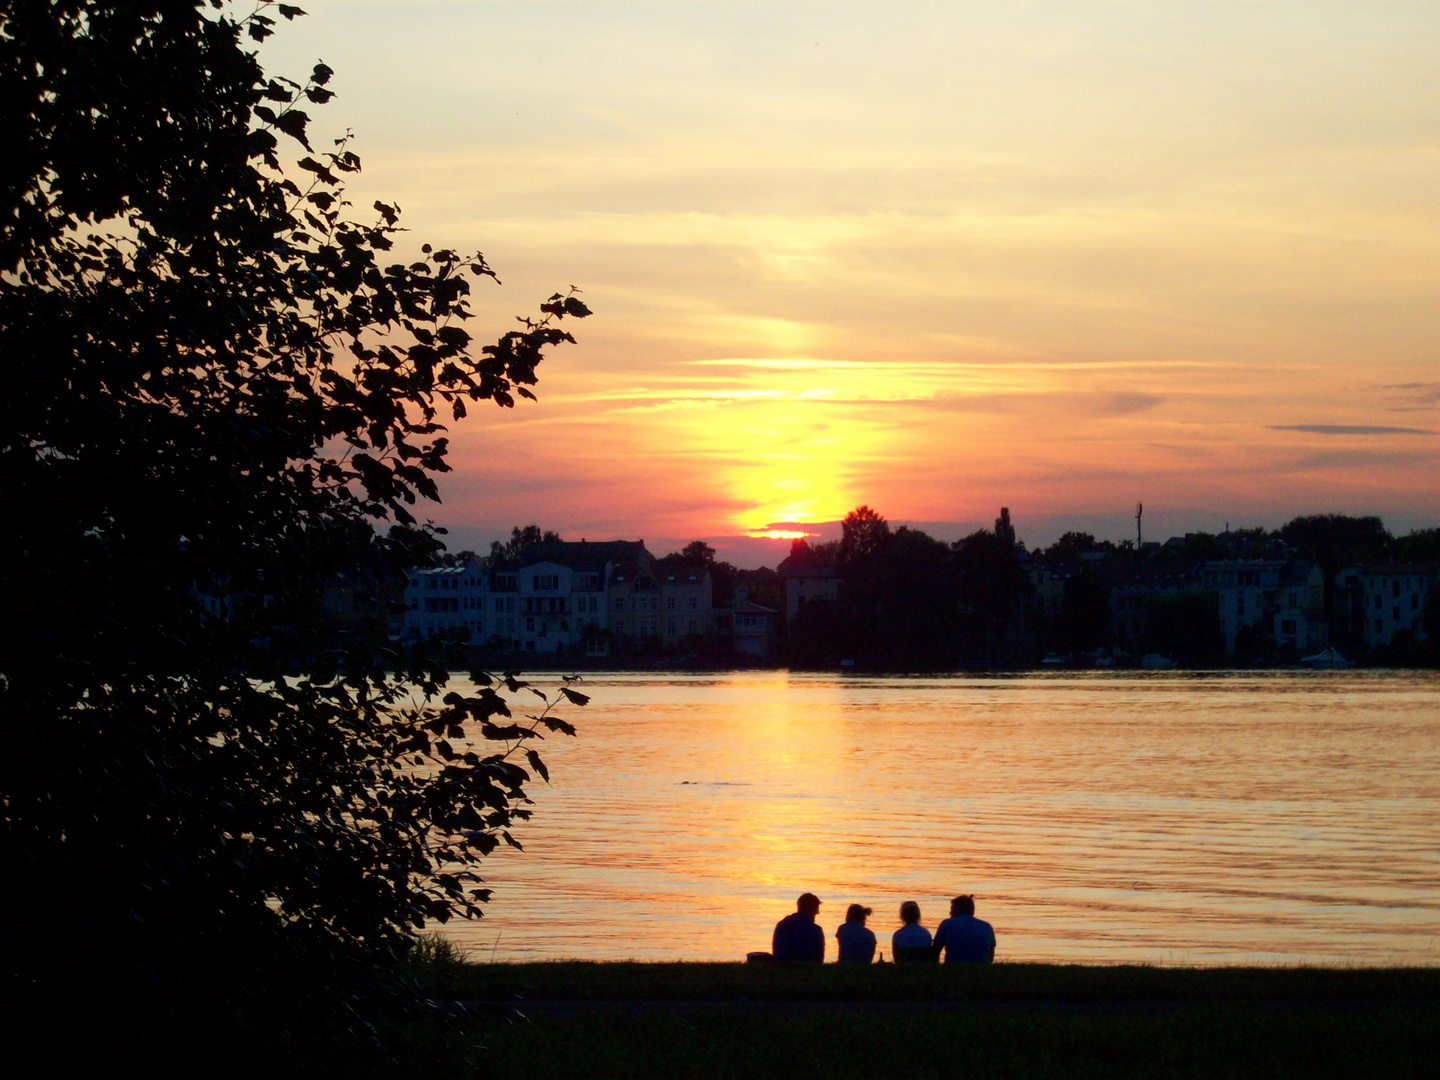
x=962 y=905
x=909 y=912
x=808 y=904
x=857 y=913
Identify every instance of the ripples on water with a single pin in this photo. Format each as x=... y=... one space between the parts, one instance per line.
x=1163 y=818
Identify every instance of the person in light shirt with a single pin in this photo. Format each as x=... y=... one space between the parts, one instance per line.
x=911 y=943
x=964 y=938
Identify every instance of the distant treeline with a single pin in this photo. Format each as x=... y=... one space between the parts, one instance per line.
x=907 y=601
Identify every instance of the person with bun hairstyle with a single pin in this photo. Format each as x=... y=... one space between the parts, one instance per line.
x=857 y=941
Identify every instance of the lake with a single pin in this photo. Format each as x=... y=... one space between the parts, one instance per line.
x=1167 y=817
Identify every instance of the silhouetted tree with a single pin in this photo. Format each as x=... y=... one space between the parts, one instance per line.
x=1420 y=545
x=523 y=543
x=1084 y=619
x=992 y=586
x=1202 y=547
x=1184 y=626
x=864 y=534
x=220 y=393
x=1072 y=545
x=1336 y=540
x=914 y=578
x=699 y=551
x=1430 y=627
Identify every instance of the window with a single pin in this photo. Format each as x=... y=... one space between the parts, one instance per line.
x=619 y=603
x=1395 y=587
x=692 y=603
x=1414 y=602
x=693 y=628
x=670 y=603
x=430 y=583
x=545 y=582
x=530 y=627
x=1395 y=614
x=670 y=628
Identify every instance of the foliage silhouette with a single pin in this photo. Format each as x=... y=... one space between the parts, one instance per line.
x=992 y=587
x=1184 y=626
x=220 y=398
x=1084 y=619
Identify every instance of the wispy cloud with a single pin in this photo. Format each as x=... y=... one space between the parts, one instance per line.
x=1350 y=459
x=1412 y=396
x=1350 y=429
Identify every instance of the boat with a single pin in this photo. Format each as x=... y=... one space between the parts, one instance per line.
x=1329 y=659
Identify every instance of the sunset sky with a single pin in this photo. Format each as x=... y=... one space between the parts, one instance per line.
x=932 y=257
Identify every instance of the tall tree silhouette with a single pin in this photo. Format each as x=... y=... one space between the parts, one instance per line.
x=221 y=391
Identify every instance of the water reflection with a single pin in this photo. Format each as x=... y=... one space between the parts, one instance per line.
x=1164 y=817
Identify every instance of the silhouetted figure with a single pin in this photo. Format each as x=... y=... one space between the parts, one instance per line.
x=797 y=937
x=857 y=942
x=911 y=943
x=965 y=939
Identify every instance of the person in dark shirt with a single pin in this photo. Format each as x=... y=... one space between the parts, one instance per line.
x=965 y=939
x=797 y=936
x=857 y=941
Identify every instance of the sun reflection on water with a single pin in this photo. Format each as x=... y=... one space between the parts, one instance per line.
x=1167 y=819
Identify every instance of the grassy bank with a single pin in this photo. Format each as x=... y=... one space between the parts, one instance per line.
x=992 y=984
x=1010 y=1020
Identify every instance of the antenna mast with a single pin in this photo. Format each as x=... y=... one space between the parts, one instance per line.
x=1139 y=537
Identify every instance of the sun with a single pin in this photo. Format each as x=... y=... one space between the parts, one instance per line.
x=780 y=534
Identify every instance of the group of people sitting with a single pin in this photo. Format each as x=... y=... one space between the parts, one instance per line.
x=962 y=938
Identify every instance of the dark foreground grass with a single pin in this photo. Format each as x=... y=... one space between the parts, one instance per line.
x=1071 y=983
x=1201 y=1041
x=1009 y=1020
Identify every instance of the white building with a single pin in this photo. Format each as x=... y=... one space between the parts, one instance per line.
x=1383 y=600
x=1300 y=621
x=568 y=597
x=806 y=580
x=1247 y=589
x=687 y=610
x=445 y=599
x=753 y=628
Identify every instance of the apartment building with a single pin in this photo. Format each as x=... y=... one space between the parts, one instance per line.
x=1374 y=603
x=806 y=580
x=568 y=597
